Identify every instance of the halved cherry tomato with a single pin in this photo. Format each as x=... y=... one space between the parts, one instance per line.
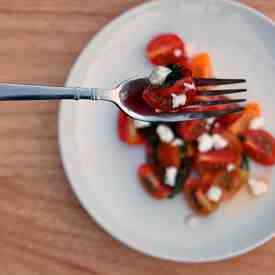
x=227 y=120
x=230 y=182
x=191 y=130
x=214 y=159
x=241 y=125
x=202 y=66
x=150 y=177
x=166 y=49
x=160 y=98
x=127 y=131
x=168 y=155
x=234 y=145
x=195 y=194
x=260 y=146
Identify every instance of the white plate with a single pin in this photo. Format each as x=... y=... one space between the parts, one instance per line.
x=102 y=170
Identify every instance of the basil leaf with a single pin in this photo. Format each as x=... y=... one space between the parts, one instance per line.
x=245 y=163
x=181 y=177
x=175 y=75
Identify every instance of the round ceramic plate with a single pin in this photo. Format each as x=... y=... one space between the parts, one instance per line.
x=102 y=170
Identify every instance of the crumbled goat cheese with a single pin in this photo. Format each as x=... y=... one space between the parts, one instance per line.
x=178 y=100
x=165 y=133
x=214 y=193
x=170 y=176
x=159 y=75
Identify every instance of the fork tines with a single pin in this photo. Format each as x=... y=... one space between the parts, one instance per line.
x=192 y=115
x=216 y=113
x=220 y=92
x=217 y=102
x=216 y=81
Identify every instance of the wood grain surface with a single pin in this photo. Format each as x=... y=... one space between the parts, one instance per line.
x=43 y=229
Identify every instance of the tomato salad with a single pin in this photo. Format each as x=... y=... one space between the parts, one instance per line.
x=206 y=161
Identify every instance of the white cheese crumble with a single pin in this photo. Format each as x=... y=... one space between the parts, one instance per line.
x=230 y=167
x=210 y=120
x=170 y=176
x=219 y=142
x=141 y=124
x=177 y=142
x=178 y=100
x=192 y=221
x=257 y=123
x=205 y=143
x=189 y=86
x=208 y=142
x=165 y=133
x=159 y=75
x=214 y=193
x=178 y=53
x=257 y=187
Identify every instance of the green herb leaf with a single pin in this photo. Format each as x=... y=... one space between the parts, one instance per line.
x=175 y=75
x=182 y=151
x=245 y=163
x=181 y=177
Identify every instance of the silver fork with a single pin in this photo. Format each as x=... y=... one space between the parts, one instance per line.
x=120 y=94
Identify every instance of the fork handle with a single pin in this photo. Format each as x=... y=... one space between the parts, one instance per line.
x=35 y=92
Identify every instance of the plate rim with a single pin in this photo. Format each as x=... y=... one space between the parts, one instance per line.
x=75 y=76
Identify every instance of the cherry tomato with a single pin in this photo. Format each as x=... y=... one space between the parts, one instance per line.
x=127 y=131
x=166 y=49
x=214 y=159
x=150 y=177
x=161 y=98
x=168 y=155
x=195 y=194
x=191 y=130
x=235 y=145
x=227 y=120
x=201 y=65
x=230 y=182
x=241 y=125
x=260 y=146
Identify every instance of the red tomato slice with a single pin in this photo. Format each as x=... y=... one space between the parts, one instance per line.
x=127 y=131
x=215 y=159
x=168 y=155
x=207 y=163
x=234 y=144
x=230 y=182
x=228 y=120
x=260 y=146
x=196 y=183
x=150 y=178
x=191 y=130
x=160 y=98
x=195 y=194
x=166 y=49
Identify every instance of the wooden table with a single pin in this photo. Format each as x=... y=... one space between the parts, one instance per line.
x=43 y=229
